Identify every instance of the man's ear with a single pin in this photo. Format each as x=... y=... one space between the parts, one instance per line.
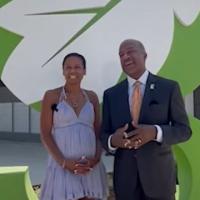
x=145 y=56
x=63 y=73
x=63 y=70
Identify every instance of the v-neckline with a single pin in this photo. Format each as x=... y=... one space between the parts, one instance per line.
x=81 y=110
x=77 y=115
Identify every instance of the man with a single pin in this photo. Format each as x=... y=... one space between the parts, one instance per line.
x=142 y=117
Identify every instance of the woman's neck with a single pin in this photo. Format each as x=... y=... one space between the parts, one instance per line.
x=72 y=89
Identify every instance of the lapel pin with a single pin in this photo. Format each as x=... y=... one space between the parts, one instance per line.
x=152 y=86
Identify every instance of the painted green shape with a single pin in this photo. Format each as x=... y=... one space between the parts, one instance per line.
x=187 y=156
x=36 y=105
x=75 y=11
x=182 y=65
x=15 y=184
x=4 y=2
x=110 y=5
x=184 y=173
x=9 y=42
x=183 y=61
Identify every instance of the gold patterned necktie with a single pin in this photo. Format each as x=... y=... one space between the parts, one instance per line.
x=136 y=102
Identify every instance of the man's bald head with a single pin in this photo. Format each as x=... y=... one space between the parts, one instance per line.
x=132 y=56
x=135 y=43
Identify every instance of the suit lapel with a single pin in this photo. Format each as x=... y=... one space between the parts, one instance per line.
x=124 y=101
x=148 y=94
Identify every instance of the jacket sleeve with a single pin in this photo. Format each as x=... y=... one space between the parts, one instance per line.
x=106 y=122
x=178 y=129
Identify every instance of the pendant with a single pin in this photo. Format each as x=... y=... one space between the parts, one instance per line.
x=74 y=105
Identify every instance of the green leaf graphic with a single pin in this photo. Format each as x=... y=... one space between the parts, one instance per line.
x=36 y=105
x=187 y=156
x=8 y=41
x=100 y=12
x=183 y=61
x=4 y=2
x=182 y=65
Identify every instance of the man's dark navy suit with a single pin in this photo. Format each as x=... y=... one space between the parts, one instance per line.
x=153 y=163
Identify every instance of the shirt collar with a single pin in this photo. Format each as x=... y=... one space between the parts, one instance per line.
x=142 y=79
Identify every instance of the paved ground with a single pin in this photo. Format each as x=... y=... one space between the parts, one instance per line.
x=32 y=155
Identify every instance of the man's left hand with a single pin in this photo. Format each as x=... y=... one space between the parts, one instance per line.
x=142 y=135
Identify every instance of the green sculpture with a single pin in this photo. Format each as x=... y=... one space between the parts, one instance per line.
x=182 y=65
x=15 y=184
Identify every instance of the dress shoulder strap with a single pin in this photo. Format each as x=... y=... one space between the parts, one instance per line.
x=62 y=94
x=86 y=95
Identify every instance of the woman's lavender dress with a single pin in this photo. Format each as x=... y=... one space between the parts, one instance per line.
x=75 y=137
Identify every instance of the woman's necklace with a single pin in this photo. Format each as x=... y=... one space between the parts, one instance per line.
x=74 y=100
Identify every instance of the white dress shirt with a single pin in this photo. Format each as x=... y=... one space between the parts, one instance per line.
x=131 y=81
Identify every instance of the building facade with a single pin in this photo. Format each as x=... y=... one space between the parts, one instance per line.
x=17 y=120
x=20 y=122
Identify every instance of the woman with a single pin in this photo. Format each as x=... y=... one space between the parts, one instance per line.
x=70 y=121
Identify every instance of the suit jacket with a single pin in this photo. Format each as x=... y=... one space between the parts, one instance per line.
x=153 y=162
